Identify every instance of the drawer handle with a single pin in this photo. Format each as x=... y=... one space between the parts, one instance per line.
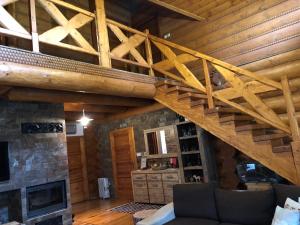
x=170 y=177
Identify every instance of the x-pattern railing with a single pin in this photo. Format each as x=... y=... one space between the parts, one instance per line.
x=242 y=84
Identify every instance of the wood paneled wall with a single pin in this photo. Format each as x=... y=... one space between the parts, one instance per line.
x=255 y=34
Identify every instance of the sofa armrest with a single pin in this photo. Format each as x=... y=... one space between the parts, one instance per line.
x=162 y=216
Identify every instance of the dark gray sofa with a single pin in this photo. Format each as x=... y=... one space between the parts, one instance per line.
x=204 y=204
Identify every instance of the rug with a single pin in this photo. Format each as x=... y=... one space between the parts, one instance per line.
x=134 y=207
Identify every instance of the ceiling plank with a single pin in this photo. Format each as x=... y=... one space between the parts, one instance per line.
x=77 y=107
x=177 y=10
x=74 y=116
x=38 y=95
x=134 y=112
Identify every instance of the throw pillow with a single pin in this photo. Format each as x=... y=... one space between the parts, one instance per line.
x=285 y=217
x=292 y=205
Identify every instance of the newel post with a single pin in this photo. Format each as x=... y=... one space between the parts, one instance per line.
x=102 y=34
x=294 y=125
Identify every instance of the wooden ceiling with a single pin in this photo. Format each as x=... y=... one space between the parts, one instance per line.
x=102 y=108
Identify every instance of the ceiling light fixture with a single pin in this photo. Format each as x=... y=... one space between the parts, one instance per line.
x=84 y=120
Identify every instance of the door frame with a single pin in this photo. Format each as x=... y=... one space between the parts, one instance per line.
x=113 y=155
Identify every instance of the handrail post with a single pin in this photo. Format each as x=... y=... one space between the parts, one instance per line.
x=33 y=27
x=291 y=112
x=149 y=53
x=209 y=89
x=102 y=34
x=294 y=125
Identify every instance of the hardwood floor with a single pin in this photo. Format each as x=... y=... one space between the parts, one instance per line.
x=95 y=213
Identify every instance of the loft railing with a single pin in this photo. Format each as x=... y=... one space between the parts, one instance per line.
x=244 y=90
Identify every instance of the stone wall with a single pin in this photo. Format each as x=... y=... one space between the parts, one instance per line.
x=140 y=123
x=34 y=158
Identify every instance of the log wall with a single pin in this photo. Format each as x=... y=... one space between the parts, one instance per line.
x=254 y=34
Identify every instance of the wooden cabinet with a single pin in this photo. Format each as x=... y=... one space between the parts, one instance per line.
x=154 y=187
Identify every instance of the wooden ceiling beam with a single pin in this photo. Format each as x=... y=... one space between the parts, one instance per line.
x=4 y=90
x=133 y=112
x=38 y=95
x=78 y=107
x=177 y=10
x=14 y=74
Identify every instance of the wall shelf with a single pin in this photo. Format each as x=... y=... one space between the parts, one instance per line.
x=193 y=168
x=190 y=152
x=188 y=137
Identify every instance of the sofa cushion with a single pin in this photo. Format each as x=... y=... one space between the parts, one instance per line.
x=246 y=207
x=192 y=221
x=197 y=201
x=283 y=192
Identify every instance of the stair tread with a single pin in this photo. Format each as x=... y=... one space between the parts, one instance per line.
x=182 y=89
x=284 y=148
x=191 y=95
x=169 y=82
x=221 y=110
x=198 y=103
x=235 y=117
x=252 y=127
x=267 y=137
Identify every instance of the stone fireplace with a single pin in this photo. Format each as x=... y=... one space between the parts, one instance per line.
x=46 y=198
x=38 y=165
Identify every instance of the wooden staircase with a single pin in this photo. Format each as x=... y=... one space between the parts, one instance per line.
x=261 y=141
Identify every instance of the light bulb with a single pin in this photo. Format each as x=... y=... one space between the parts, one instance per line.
x=84 y=120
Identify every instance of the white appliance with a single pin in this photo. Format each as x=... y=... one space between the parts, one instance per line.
x=103 y=184
x=74 y=129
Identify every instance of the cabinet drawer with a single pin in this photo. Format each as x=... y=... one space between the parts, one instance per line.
x=139 y=184
x=170 y=177
x=138 y=176
x=140 y=191
x=168 y=192
x=169 y=185
x=155 y=184
x=156 y=196
x=141 y=198
x=154 y=176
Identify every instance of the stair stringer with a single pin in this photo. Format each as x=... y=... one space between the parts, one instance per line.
x=281 y=163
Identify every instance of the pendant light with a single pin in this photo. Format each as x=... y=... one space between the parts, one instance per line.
x=84 y=120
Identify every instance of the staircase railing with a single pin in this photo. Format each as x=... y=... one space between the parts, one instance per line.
x=241 y=89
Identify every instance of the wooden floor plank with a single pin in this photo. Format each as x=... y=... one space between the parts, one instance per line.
x=96 y=213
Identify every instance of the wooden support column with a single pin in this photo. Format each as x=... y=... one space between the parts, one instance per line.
x=102 y=33
x=149 y=53
x=209 y=89
x=33 y=27
x=291 y=113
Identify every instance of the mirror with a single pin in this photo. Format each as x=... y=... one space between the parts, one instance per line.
x=160 y=140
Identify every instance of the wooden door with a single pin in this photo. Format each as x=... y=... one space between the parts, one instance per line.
x=123 y=160
x=77 y=169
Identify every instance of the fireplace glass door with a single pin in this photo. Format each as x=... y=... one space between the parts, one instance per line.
x=46 y=198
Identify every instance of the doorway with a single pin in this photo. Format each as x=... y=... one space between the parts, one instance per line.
x=77 y=169
x=123 y=160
